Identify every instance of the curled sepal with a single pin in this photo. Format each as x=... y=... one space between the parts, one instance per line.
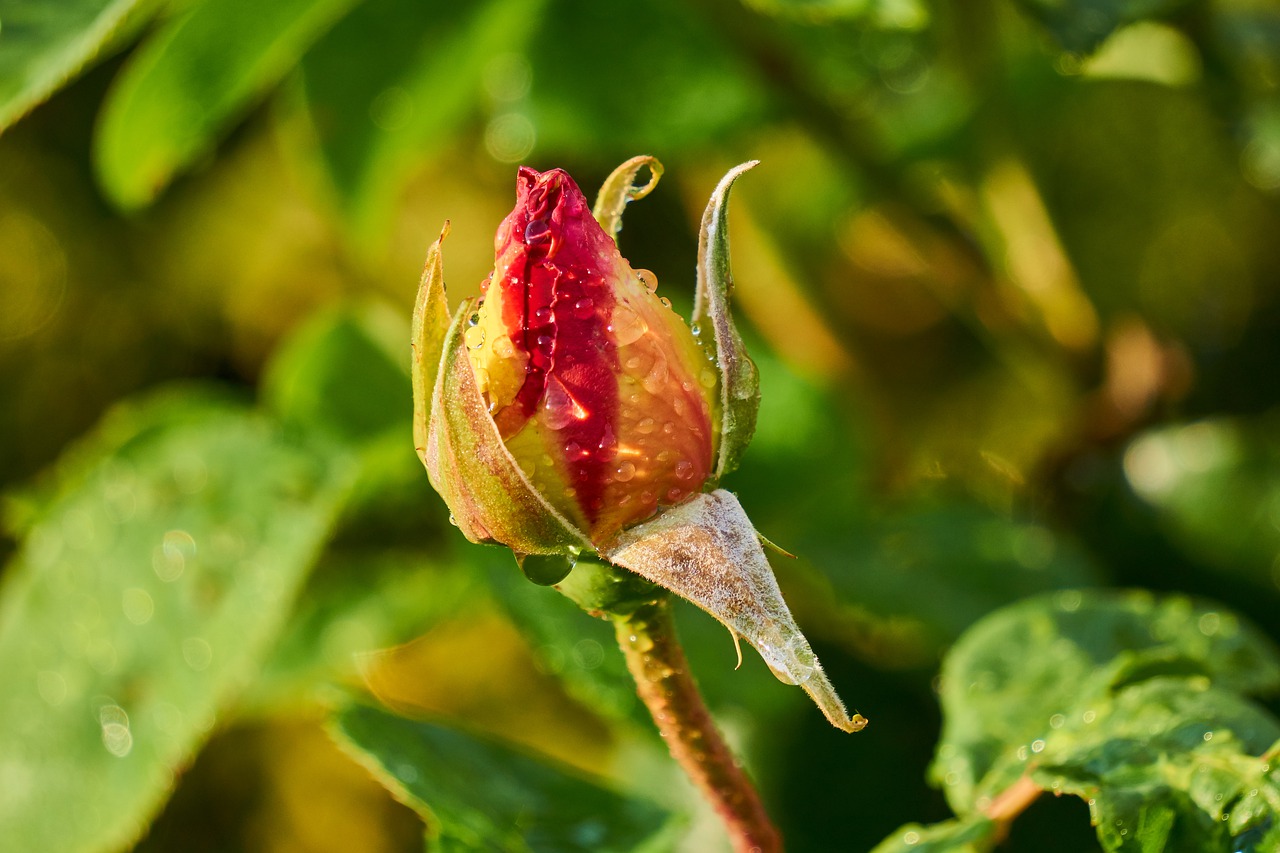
x=707 y=551
x=739 y=380
x=490 y=497
x=430 y=325
x=620 y=188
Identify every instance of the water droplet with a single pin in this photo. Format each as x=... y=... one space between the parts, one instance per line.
x=911 y=837
x=678 y=404
x=626 y=325
x=666 y=303
x=645 y=426
x=1208 y=736
x=684 y=469
x=675 y=493
x=625 y=472
x=541 y=317
x=197 y=653
x=583 y=309
x=559 y=408
x=453 y=520
x=137 y=605
x=1089 y=716
x=707 y=377
x=536 y=230
x=696 y=329
x=1057 y=721
x=669 y=428
x=647 y=497
x=474 y=337
x=1037 y=745
x=116 y=736
x=655 y=381
x=473 y=320
x=632 y=363
x=648 y=280
x=503 y=348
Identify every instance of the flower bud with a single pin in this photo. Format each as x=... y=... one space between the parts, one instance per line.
x=569 y=408
x=598 y=389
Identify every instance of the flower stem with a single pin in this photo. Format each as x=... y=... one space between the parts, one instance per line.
x=657 y=662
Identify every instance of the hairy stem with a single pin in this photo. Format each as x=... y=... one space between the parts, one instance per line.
x=657 y=662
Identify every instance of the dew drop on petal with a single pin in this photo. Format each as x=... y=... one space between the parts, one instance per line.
x=626 y=325
x=503 y=348
x=625 y=472
x=684 y=469
x=648 y=279
x=540 y=317
x=645 y=426
x=584 y=308
x=474 y=337
x=536 y=230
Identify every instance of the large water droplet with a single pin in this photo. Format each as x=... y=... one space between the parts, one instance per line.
x=625 y=471
x=474 y=337
x=536 y=230
x=626 y=325
x=648 y=279
x=559 y=408
x=655 y=381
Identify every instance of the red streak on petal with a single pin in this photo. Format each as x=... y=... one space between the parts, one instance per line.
x=554 y=265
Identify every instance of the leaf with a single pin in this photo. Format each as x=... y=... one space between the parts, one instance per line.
x=1216 y=486
x=44 y=45
x=476 y=794
x=146 y=594
x=905 y=14
x=706 y=551
x=1082 y=25
x=739 y=379
x=356 y=602
x=1169 y=759
x=1031 y=668
x=653 y=75
x=344 y=373
x=420 y=77
x=959 y=835
x=429 y=330
x=187 y=84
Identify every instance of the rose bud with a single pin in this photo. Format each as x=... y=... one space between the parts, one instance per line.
x=570 y=409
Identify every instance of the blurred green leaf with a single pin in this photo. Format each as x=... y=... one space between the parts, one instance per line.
x=144 y=596
x=1081 y=25
x=44 y=45
x=1216 y=486
x=421 y=74
x=356 y=603
x=344 y=373
x=479 y=795
x=1025 y=672
x=191 y=80
x=971 y=560
x=566 y=642
x=959 y=835
x=908 y=14
x=654 y=75
x=1168 y=760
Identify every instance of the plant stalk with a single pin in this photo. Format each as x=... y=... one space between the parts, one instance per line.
x=657 y=662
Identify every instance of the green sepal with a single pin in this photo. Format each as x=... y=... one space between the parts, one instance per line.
x=430 y=326
x=707 y=551
x=739 y=379
x=489 y=496
x=620 y=189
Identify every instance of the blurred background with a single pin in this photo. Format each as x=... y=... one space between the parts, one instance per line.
x=1010 y=271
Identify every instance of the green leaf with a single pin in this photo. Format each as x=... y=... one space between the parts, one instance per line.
x=739 y=379
x=1082 y=25
x=651 y=75
x=959 y=835
x=1029 y=669
x=186 y=85
x=146 y=594
x=44 y=45
x=344 y=373
x=357 y=602
x=476 y=794
x=419 y=78
x=1168 y=760
x=904 y=14
x=1216 y=486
